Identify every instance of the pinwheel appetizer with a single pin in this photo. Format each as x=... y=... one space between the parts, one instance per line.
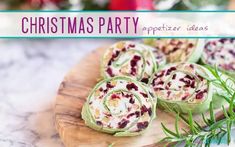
x=120 y=106
x=183 y=86
x=220 y=52
x=159 y=56
x=178 y=50
x=127 y=58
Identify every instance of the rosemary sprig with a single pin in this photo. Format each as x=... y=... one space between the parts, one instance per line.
x=216 y=129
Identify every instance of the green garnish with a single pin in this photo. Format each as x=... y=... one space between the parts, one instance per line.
x=215 y=130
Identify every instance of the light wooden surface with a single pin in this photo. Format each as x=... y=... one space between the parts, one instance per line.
x=71 y=96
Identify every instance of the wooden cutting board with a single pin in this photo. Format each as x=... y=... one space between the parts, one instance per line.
x=72 y=94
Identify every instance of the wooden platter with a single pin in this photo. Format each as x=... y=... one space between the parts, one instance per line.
x=72 y=94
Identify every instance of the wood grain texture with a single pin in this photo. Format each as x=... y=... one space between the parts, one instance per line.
x=71 y=96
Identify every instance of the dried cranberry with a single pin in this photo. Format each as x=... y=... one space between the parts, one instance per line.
x=133 y=63
x=159 y=75
x=143 y=109
x=131 y=86
x=123 y=123
x=205 y=90
x=137 y=113
x=167 y=87
x=133 y=71
x=191 y=65
x=158 y=89
x=110 y=62
x=168 y=72
x=213 y=43
x=174 y=76
x=169 y=84
x=131 y=45
x=189 y=77
x=144 y=94
x=201 y=78
x=130 y=115
x=190 y=45
x=173 y=68
x=108 y=85
x=232 y=52
x=115 y=96
x=160 y=83
x=186 y=86
x=168 y=93
x=115 y=55
x=193 y=84
x=128 y=95
x=150 y=111
x=142 y=125
x=110 y=72
x=106 y=90
x=222 y=56
x=136 y=58
x=132 y=100
x=145 y=80
x=184 y=97
x=187 y=82
x=223 y=40
x=174 y=49
x=124 y=49
x=99 y=123
x=101 y=89
x=199 y=95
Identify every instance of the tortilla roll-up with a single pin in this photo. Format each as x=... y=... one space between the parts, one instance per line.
x=119 y=106
x=221 y=53
x=184 y=87
x=127 y=58
x=178 y=50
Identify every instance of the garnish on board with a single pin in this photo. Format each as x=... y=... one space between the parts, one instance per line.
x=215 y=130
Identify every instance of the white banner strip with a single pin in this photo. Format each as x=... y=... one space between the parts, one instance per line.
x=117 y=24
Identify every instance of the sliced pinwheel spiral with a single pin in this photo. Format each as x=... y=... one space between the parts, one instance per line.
x=127 y=58
x=120 y=106
x=178 y=50
x=159 y=57
x=183 y=86
x=221 y=53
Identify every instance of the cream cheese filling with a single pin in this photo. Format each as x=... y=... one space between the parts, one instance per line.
x=119 y=107
x=220 y=52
